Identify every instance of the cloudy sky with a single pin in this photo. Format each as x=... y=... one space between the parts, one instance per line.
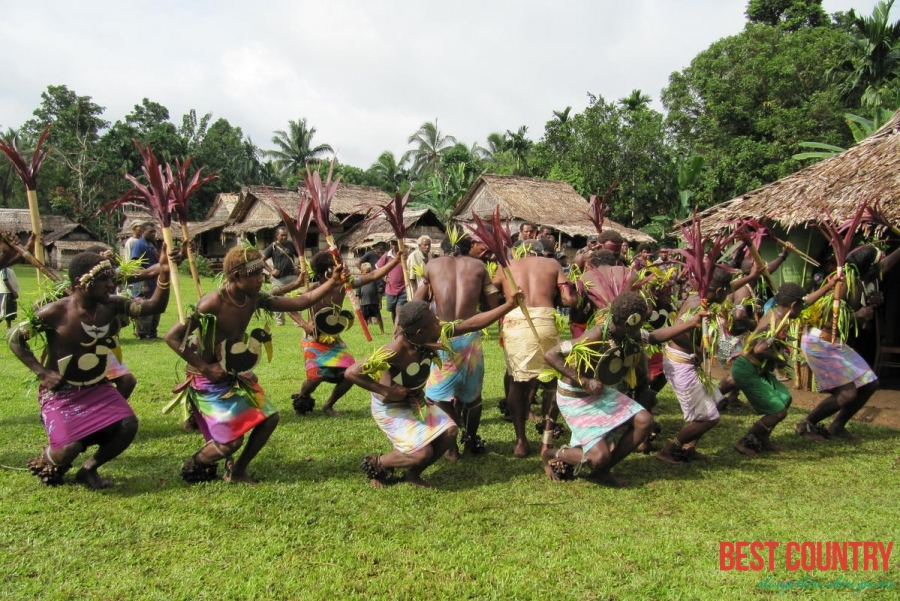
x=366 y=74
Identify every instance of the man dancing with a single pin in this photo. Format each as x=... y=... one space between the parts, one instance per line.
x=326 y=354
x=221 y=388
x=456 y=282
x=79 y=407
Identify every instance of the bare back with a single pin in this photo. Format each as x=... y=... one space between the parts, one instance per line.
x=456 y=285
x=538 y=277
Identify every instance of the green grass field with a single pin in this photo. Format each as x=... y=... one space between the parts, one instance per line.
x=494 y=528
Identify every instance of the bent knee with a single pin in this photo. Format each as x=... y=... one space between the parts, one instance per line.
x=643 y=420
x=229 y=448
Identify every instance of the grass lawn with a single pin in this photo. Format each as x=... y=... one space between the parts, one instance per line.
x=494 y=528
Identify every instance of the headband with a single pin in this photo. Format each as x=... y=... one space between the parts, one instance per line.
x=98 y=270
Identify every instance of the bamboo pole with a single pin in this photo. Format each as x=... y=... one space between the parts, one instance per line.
x=348 y=289
x=509 y=276
x=28 y=257
x=36 y=228
x=173 y=274
x=403 y=265
x=186 y=237
x=763 y=266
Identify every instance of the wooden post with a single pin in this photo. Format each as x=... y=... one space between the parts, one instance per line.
x=173 y=274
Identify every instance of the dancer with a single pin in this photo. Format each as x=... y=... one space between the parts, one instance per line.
x=79 y=407
x=395 y=375
x=456 y=283
x=540 y=279
x=753 y=370
x=221 y=388
x=326 y=354
x=594 y=408
x=698 y=398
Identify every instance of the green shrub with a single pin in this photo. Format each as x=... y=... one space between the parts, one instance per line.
x=203 y=267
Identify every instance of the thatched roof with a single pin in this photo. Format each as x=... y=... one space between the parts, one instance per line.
x=134 y=215
x=540 y=201
x=255 y=210
x=18 y=221
x=222 y=206
x=869 y=171
x=418 y=222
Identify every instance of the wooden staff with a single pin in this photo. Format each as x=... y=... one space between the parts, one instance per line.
x=348 y=289
x=28 y=257
x=763 y=266
x=185 y=234
x=173 y=273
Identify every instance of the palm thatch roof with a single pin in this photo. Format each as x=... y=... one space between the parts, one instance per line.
x=870 y=171
x=540 y=201
x=418 y=222
x=18 y=221
x=255 y=209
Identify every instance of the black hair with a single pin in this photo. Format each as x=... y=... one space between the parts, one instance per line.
x=603 y=257
x=721 y=278
x=81 y=264
x=863 y=258
x=789 y=294
x=642 y=247
x=462 y=248
x=610 y=236
x=321 y=262
x=625 y=305
x=412 y=315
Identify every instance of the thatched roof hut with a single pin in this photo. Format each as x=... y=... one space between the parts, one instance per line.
x=540 y=201
x=419 y=222
x=62 y=238
x=869 y=171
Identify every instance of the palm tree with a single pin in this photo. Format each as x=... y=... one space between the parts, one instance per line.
x=295 y=148
x=392 y=174
x=518 y=146
x=876 y=60
x=635 y=101
x=430 y=145
x=496 y=142
x=562 y=116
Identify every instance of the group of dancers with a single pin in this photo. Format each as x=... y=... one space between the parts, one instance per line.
x=635 y=326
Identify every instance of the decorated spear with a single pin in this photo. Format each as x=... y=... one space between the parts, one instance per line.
x=181 y=188
x=321 y=195
x=841 y=244
x=495 y=235
x=393 y=214
x=155 y=197
x=28 y=173
x=17 y=249
x=701 y=257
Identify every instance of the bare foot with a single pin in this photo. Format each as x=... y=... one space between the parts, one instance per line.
x=376 y=483
x=330 y=412
x=532 y=417
x=416 y=480
x=608 y=479
x=844 y=434
x=92 y=479
x=239 y=478
x=546 y=456
x=452 y=454
x=667 y=455
x=810 y=431
x=770 y=446
x=522 y=449
x=743 y=449
x=692 y=454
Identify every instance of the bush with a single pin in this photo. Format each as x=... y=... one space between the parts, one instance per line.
x=203 y=267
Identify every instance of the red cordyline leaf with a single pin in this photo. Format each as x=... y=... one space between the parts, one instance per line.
x=494 y=234
x=393 y=213
x=701 y=257
x=27 y=172
x=155 y=197
x=755 y=229
x=596 y=212
x=841 y=243
x=181 y=187
x=299 y=227
x=321 y=195
x=608 y=283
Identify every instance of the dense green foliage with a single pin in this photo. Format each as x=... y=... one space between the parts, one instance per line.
x=739 y=112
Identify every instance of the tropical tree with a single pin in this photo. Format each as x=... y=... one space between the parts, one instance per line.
x=391 y=174
x=872 y=70
x=444 y=191
x=295 y=150
x=518 y=146
x=789 y=15
x=431 y=144
x=635 y=101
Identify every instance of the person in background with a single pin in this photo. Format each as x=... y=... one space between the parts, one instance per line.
x=395 y=286
x=283 y=255
x=9 y=296
x=417 y=260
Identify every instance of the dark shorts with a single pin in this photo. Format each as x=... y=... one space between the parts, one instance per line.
x=396 y=300
x=370 y=311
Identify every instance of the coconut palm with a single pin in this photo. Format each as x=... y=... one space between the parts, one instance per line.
x=518 y=146
x=635 y=101
x=295 y=148
x=563 y=115
x=875 y=63
x=391 y=173
x=430 y=145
